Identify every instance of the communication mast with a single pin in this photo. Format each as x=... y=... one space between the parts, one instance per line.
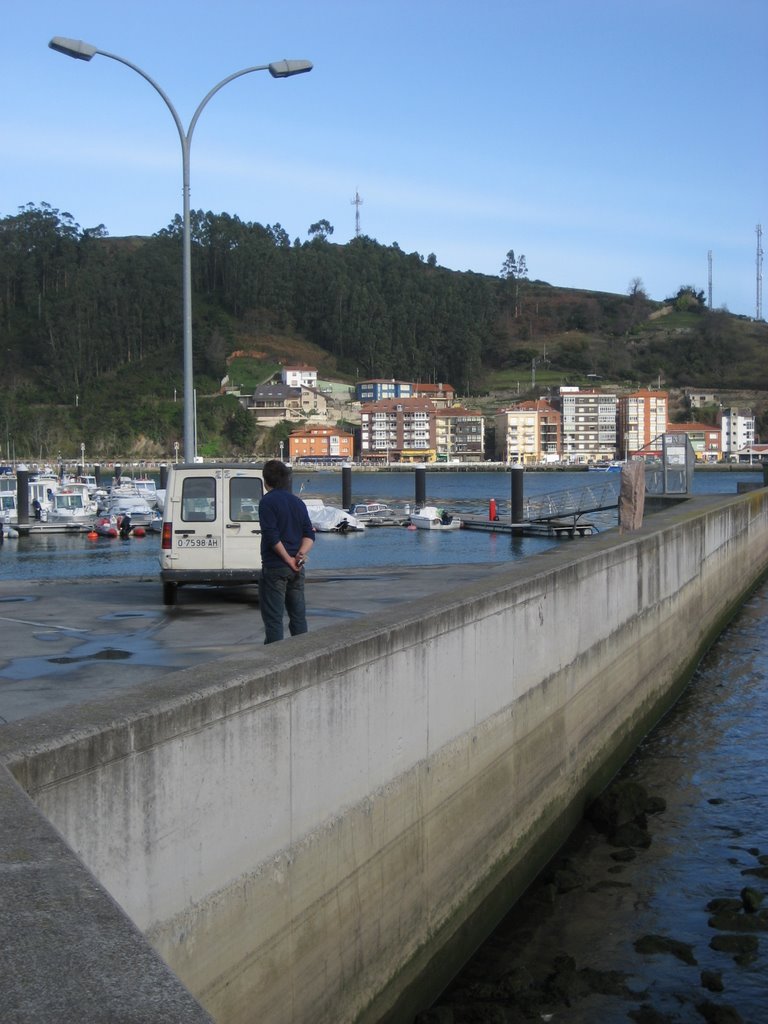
x=357 y=202
x=759 y=274
x=709 y=279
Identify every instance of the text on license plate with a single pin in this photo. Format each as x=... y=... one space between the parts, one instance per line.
x=197 y=542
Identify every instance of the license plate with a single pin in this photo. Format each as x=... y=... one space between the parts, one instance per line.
x=197 y=542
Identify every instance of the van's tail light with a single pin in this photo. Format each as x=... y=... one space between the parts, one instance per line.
x=167 y=542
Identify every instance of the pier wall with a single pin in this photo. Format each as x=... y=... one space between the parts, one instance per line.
x=325 y=834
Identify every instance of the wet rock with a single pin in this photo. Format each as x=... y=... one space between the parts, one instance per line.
x=565 y=984
x=655 y=805
x=712 y=980
x=437 y=1015
x=734 y=944
x=516 y=981
x=546 y=894
x=622 y=802
x=624 y=855
x=751 y=898
x=566 y=880
x=724 y=903
x=607 y=983
x=728 y=921
x=631 y=834
x=649 y=1015
x=714 y=1013
x=650 y=944
x=761 y=872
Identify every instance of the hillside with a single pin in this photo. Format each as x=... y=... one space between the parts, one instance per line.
x=91 y=349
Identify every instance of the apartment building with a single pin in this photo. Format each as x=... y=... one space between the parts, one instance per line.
x=529 y=432
x=459 y=435
x=377 y=390
x=588 y=425
x=398 y=430
x=317 y=444
x=737 y=430
x=641 y=418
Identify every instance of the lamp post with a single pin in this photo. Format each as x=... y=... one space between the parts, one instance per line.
x=278 y=69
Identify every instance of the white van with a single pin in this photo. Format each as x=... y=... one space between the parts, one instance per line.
x=211 y=532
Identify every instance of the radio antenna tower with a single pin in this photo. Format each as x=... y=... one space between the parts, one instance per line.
x=709 y=279
x=759 y=277
x=357 y=202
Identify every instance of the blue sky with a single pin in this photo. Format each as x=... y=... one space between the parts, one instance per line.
x=605 y=140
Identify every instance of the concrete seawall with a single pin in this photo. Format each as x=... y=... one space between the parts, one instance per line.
x=300 y=839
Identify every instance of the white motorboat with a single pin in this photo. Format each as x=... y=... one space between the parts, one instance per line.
x=375 y=513
x=148 y=489
x=125 y=499
x=428 y=517
x=329 y=519
x=72 y=502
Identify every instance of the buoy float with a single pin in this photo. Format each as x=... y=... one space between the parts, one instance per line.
x=139 y=531
x=92 y=535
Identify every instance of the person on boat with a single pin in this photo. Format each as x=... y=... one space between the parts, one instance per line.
x=37 y=508
x=286 y=539
x=125 y=526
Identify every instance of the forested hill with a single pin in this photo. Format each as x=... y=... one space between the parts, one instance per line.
x=91 y=325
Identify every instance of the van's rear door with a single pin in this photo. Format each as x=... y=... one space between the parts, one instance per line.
x=242 y=492
x=197 y=541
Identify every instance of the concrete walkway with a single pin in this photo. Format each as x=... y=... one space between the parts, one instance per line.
x=71 y=642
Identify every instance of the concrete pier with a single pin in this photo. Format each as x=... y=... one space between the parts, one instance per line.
x=323 y=829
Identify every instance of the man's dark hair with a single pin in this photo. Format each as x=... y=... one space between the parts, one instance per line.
x=276 y=475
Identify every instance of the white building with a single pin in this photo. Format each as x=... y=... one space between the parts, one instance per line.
x=588 y=425
x=299 y=376
x=737 y=428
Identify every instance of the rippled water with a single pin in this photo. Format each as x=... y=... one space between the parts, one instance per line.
x=709 y=760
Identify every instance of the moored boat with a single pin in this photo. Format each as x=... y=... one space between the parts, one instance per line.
x=329 y=519
x=375 y=513
x=429 y=517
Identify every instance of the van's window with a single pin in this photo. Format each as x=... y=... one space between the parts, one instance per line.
x=198 y=499
x=245 y=493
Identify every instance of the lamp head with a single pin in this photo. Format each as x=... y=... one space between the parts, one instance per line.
x=73 y=47
x=286 y=68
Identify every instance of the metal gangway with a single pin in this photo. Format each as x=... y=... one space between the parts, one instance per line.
x=573 y=503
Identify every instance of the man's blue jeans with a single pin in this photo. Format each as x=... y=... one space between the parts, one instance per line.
x=282 y=590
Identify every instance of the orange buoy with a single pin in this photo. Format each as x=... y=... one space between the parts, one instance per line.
x=92 y=535
x=139 y=531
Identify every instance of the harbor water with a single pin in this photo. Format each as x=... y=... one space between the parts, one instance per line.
x=62 y=557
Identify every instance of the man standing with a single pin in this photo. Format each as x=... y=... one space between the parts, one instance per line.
x=286 y=539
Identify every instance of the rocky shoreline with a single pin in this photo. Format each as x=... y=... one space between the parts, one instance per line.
x=536 y=966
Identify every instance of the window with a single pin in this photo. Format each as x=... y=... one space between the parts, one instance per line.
x=198 y=500
x=245 y=493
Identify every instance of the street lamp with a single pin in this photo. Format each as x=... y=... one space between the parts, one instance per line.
x=278 y=69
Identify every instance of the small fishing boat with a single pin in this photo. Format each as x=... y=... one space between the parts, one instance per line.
x=428 y=517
